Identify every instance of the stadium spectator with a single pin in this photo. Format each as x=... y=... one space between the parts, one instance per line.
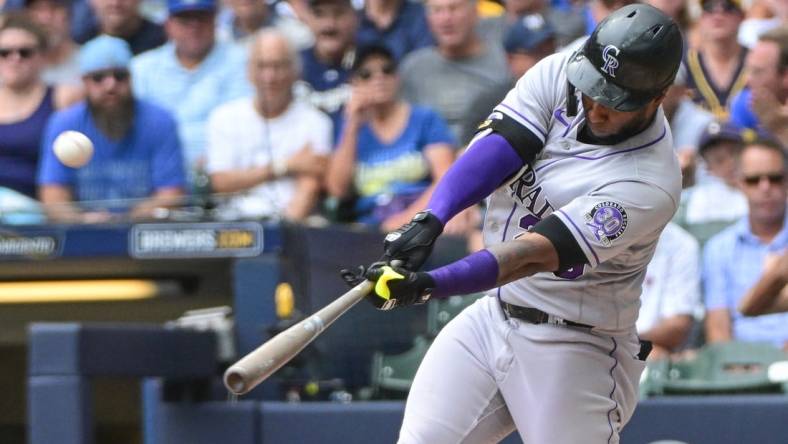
x=390 y=152
x=122 y=18
x=238 y=23
x=401 y=25
x=26 y=102
x=716 y=201
x=594 y=12
x=764 y=104
x=137 y=164
x=687 y=123
x=526 y=41
x=716 y=67
x=567 y=23
x=769 y=294
x=61 y=53
x=450 y=76
x=671 y=292
x=326 y=65
x=270 y=150
x=191 y=74
x=678 y=10
x=733 y=260
x=752 y=27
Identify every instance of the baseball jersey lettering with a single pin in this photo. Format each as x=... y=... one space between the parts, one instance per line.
x=614 y=201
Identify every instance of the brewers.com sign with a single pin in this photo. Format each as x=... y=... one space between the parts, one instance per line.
x=232 y=239
x=28 y=246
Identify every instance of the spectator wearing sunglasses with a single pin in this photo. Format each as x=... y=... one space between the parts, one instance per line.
x=26 y=103
x=390 y=153
x=716 y=67
x=735 y=258
x=137 y=164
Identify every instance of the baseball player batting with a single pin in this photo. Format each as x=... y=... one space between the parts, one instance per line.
x=579 y=168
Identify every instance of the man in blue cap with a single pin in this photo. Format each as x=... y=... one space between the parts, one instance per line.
x=526 y=41
x=191 y=74
x=137 y=164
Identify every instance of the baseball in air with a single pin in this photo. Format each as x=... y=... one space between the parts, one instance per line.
x=73 y=148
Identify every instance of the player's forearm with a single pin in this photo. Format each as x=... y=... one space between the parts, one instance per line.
x=498 y=265
x=475 y=175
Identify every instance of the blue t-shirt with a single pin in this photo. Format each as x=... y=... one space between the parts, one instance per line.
x=149 y=157
x=398 y=170
x=407 y=32
x=741 y=111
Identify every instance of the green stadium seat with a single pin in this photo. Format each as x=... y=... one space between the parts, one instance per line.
x=719 y=368
x=440 y=312
x=395 y=373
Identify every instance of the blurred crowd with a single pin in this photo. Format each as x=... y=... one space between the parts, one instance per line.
x=349 y=111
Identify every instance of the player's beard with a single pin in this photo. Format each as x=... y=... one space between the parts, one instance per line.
x=637 y=125
x=113 y=121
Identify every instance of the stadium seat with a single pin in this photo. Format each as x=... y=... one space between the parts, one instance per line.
x=440 y=312
x=731 y=367
x=394 y=373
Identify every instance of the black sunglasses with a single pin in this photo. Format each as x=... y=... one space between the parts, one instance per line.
x=120 y=75
x=24 y=52
x=774 y=179
x=727 y=6
x=366 y=74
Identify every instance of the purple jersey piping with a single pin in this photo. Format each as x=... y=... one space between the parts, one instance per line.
x=629 y=150
x=613 y=390
x=581 y=235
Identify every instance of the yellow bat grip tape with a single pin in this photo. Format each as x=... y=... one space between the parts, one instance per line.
x=382 y=285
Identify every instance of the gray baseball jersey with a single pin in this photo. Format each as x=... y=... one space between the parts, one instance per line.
x=615 y=200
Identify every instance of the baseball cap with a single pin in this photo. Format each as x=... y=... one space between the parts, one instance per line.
x=526 y=33
x=717 y=132
x=104 y=52
x=178 y=6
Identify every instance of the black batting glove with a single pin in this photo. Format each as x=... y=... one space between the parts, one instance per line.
x=354 y=277
x=412 y=243
x=398 y=287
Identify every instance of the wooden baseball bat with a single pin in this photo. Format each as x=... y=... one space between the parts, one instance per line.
x=258 y=365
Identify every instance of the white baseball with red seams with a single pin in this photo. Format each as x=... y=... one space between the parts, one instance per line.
x=73 y=149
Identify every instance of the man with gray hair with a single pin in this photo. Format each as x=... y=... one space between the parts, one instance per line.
x=268 y=149
x=450 y=76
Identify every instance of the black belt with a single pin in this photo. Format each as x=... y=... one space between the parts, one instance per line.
x=536 y=316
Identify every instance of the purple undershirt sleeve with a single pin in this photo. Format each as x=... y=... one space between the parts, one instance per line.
x=471 y=274
x=475 y=175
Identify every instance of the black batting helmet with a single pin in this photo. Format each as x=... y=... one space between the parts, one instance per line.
x=630 y=58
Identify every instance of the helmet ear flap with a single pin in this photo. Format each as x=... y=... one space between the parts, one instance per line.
x=571 y=100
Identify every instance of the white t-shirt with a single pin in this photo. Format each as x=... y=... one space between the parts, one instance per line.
x=614 y=200
x=239 y=138
x=672 y=284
